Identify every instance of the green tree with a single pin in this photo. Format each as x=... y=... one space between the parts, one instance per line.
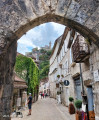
x=49 y=52
x=43 y=51
x=44 y=72
x=44 y=63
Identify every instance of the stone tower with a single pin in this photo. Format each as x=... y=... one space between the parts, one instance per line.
x=50 y=45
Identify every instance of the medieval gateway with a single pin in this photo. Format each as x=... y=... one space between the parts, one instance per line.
x=19 y=16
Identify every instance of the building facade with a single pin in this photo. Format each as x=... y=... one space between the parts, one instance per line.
x=44 y=86
x=53 y=68
x=75 y=59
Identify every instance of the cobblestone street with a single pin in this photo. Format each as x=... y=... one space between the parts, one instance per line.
x=47 y=109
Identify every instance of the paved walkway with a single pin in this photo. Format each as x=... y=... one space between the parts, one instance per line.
x=47 y=109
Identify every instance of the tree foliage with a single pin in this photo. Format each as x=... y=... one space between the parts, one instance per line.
x=27 y=69
x=44 y=72
x=44 y=63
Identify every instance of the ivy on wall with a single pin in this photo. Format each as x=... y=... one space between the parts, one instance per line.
x=26 y=69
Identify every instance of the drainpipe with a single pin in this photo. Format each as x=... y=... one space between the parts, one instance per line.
x=81 y=79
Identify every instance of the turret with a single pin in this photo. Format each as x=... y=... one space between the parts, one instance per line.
x=50 y=45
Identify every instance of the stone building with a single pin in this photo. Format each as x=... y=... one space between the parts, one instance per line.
x=34 y=55
x=47 y=47
x=53 y=68
x=44 y=86
x=19 y=93
x=79 y=66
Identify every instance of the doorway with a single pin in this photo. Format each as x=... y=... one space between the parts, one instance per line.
x=90 y=103
x=78 y=88
x=67 y=96
x=90 y=99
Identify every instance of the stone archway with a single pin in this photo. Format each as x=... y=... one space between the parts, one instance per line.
x=18 y=16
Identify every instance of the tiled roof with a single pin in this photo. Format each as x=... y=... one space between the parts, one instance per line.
x=55 y=45
x=18 y=79
x=63 y=38
x=19 y=83
x=19 y=54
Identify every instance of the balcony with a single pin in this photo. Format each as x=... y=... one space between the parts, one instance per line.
x=80 y=50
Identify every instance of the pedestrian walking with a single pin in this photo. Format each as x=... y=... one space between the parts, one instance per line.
x=29 y=103
x=46 y=95
x=43 y=95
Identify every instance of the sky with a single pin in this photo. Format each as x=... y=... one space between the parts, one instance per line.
x=40 y=36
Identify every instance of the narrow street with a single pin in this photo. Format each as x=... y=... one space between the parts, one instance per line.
x=47 y=109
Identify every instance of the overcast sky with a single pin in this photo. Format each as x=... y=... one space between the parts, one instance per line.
x=40 y=36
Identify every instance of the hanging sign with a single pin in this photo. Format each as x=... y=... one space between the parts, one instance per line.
x=66 y=82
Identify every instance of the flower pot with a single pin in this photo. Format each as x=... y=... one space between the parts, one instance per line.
x=91 y=115
x=78 y=115
x=71 y=108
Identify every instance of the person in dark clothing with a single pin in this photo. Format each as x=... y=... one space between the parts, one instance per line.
x=46 y=95
x=29 y=103
x=41 y=95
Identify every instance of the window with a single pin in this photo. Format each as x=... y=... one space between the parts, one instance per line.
x=62 y=69
x=55 y=76
x=61 y=54
x=65 y=43
x=66 y=67
x=71 y=56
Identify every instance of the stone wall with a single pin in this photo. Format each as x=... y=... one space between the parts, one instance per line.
x=21 y=15
x=7 y=62
x=88 y=68
x=94 y=65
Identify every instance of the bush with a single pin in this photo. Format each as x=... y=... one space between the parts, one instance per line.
x=71 y=99
x=78 y=104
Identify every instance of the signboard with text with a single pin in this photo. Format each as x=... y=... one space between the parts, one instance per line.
x=96 y=75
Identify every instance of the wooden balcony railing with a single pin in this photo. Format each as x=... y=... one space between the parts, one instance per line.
x=80 y=49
